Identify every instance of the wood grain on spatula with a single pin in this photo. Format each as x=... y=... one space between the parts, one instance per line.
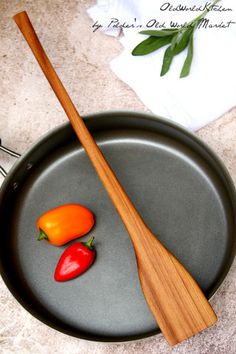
x=176 y=301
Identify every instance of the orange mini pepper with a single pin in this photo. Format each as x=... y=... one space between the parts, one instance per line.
x=64 y=223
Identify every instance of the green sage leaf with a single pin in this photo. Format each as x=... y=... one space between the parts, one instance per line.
x=167 y=60
x=156 y=33
x=175 y=40
x=151 y=44
x=178 y=44
x=188 y=61
x=181 y=40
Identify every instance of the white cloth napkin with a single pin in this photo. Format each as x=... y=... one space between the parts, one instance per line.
x=194 y=101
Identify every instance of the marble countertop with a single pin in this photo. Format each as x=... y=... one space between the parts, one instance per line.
x=28 y=109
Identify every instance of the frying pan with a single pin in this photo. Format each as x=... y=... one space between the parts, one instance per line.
x=178 y=185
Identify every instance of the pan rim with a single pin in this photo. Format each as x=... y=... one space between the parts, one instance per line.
x=113 y=114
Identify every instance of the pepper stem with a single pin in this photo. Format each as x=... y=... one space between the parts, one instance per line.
x=89 y=243
x=42 y=235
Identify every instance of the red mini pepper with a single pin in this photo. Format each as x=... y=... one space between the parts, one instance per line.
x=75 y=260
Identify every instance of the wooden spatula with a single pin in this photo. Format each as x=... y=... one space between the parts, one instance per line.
x=176 y=301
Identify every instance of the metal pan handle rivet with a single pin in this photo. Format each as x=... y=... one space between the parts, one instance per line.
x=15 y=185
x=29 y=165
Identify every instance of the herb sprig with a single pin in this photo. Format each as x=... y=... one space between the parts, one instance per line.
x=178 y=40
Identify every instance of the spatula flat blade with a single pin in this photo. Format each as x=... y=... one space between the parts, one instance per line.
x=175 y=299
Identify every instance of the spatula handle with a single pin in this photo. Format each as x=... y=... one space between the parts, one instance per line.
x=123 y=204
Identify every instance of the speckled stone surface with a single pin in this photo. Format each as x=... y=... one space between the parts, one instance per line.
x=28 y=109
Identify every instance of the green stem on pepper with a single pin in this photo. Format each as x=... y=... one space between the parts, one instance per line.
x=42 y=235
x=89 y=244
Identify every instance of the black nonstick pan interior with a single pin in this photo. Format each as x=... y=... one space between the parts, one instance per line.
x=178 y=185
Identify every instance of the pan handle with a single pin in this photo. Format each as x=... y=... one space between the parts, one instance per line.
x=9 y=152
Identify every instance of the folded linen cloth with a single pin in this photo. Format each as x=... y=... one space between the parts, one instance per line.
x=208 y=91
